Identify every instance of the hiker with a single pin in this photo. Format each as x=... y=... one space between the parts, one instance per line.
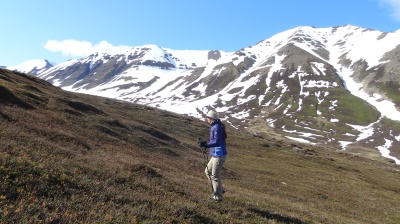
x=218 y=153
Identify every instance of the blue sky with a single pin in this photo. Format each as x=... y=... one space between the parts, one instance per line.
x=59 y=30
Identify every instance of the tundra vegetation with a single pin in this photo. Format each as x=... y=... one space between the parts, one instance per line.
x=74 y=158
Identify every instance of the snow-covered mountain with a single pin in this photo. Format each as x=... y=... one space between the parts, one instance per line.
x=32 y=66
x=336 y=86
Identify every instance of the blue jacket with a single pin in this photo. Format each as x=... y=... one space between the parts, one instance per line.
x=217 y=141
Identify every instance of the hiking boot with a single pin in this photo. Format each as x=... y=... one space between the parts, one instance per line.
x=215 y=199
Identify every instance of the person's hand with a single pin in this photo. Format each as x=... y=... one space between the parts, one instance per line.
x=203 y=144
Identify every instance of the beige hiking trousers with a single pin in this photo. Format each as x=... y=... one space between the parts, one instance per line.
x=213 y=172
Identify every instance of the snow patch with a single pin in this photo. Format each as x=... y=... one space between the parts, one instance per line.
x=384 y=150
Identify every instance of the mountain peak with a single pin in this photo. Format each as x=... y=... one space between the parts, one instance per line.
x=33 y=66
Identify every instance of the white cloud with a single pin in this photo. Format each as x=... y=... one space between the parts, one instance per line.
x=394 y=8
x=76 y=48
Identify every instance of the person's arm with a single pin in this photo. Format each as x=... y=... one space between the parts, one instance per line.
x=215 y=136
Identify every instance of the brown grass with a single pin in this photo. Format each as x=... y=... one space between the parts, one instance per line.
x=72 y=158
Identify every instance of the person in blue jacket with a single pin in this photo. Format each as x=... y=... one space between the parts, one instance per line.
x=218 y=153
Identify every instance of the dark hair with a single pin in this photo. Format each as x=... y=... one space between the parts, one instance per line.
x=223 y=128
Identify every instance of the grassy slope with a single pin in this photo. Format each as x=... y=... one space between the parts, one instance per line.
x=67 y=158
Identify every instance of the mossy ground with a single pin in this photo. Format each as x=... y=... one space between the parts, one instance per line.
x=72 y=158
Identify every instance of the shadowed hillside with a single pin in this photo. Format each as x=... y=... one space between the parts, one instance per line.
x=72 y=158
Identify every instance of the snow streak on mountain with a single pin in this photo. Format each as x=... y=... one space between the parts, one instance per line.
x=335 y=86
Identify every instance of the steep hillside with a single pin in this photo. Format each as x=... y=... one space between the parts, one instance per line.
x=73 y=158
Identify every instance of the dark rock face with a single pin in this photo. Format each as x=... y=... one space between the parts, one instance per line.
x=215 y=55
x=159 y=64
